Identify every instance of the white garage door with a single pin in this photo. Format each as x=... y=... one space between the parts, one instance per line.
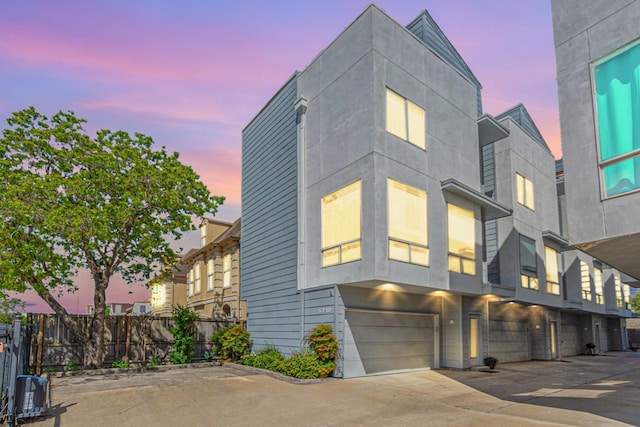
x=382 y=341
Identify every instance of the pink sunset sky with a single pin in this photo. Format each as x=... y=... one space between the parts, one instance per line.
x=193 y=74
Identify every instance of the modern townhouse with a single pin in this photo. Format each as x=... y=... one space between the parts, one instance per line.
x=377 y=197
x=598 y=63
x=213 y=276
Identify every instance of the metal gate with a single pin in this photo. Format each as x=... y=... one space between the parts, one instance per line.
x=14 y=347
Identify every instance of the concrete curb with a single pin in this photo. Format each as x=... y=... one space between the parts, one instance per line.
x=276 y=375
x=133 y=369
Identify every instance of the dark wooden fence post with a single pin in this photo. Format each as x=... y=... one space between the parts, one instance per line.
x=39 y=350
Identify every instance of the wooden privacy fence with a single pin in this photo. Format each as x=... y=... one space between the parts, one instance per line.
x=135 y=339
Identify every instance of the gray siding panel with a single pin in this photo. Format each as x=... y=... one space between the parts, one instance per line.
x=269 y=223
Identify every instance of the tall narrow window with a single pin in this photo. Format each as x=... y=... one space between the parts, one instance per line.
x=196 y=277
x=190 y=281
x=597 y=283
x=226 y=270
x=210 y=274
x=407 y=223
x=618 y=285
x=341 y=241
x=528 y=263
x=405 y=119
x=462 y=240
x=524 y=189
x=627 y=295
x=553 y=273
x=203 y=234
x=617 y=100
x=585 y=280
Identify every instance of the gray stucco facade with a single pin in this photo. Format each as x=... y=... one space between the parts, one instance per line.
x=326 y=129
x=604 y=226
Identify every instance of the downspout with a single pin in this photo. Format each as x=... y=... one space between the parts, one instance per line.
x=301 y=118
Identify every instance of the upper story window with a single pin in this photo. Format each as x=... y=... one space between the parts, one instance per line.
x=190 y=281
x=203 y=234
x=618 y=285
x=524 y=189
x=341 y=213
x=405 y=119
x=617 y=101
x=585 y=281
x=627 y=295
x=210 y=274
x=407 y=223
x=597 y=283
x=528 y=263
x=196 y=277
x=226 y=271
x=553 y=273
x=462 y=240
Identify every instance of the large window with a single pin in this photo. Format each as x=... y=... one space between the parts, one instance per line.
x=585 y=280
x=196 y=277
x=210 y=274
x=618 y=285
x=524 y=189
x=341 y=238
x=203 y=234
x=553 y=273
x=528 y=263
x=407 y=208
x=190 y=281
x=617 y=99
x=462 y=240
x=627 y=295
x=405 y=119
x=226 y=271
x=597 y=283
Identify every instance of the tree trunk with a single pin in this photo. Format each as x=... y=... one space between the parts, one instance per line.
x=95 y=351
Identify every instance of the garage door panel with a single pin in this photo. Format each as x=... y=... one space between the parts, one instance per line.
x=387 y=341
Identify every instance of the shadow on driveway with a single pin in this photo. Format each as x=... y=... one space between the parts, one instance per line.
x=607 y=385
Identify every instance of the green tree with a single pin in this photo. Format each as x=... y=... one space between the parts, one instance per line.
x=635 y=303
x=105 y=204
x=9 y=307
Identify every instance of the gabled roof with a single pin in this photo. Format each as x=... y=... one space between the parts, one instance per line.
x=232 y=233
x=521 y=116
x=425 y=28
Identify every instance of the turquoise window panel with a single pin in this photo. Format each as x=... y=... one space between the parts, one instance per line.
x=622 y=177
x=617 y=85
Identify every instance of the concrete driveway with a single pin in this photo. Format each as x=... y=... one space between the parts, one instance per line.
x=525 y=394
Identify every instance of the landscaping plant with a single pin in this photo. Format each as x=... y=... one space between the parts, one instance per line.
x=183 y=329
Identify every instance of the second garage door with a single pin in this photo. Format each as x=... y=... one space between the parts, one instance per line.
x=382 y=341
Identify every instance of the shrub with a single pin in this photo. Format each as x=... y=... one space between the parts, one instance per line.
x=235 y=343
x=216 y=340
x=184 y=326
x=120 y=364
x=270 y=358
x=323 y=342
x=72 y=365
x=303 y=365
x=154 y=361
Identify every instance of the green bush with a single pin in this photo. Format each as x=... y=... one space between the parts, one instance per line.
x=72 y=365
x=154 y=361
x=216 y=340
x=270 y=358
x=120 y=364
x=317 y=361
x=183 y=329
x=235 y=343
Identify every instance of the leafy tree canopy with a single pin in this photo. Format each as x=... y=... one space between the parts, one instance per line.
x=107 y=204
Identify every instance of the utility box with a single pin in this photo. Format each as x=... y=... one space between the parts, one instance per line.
x=31 y=396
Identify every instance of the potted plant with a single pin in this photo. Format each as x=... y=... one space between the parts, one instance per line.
x=491 y=362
